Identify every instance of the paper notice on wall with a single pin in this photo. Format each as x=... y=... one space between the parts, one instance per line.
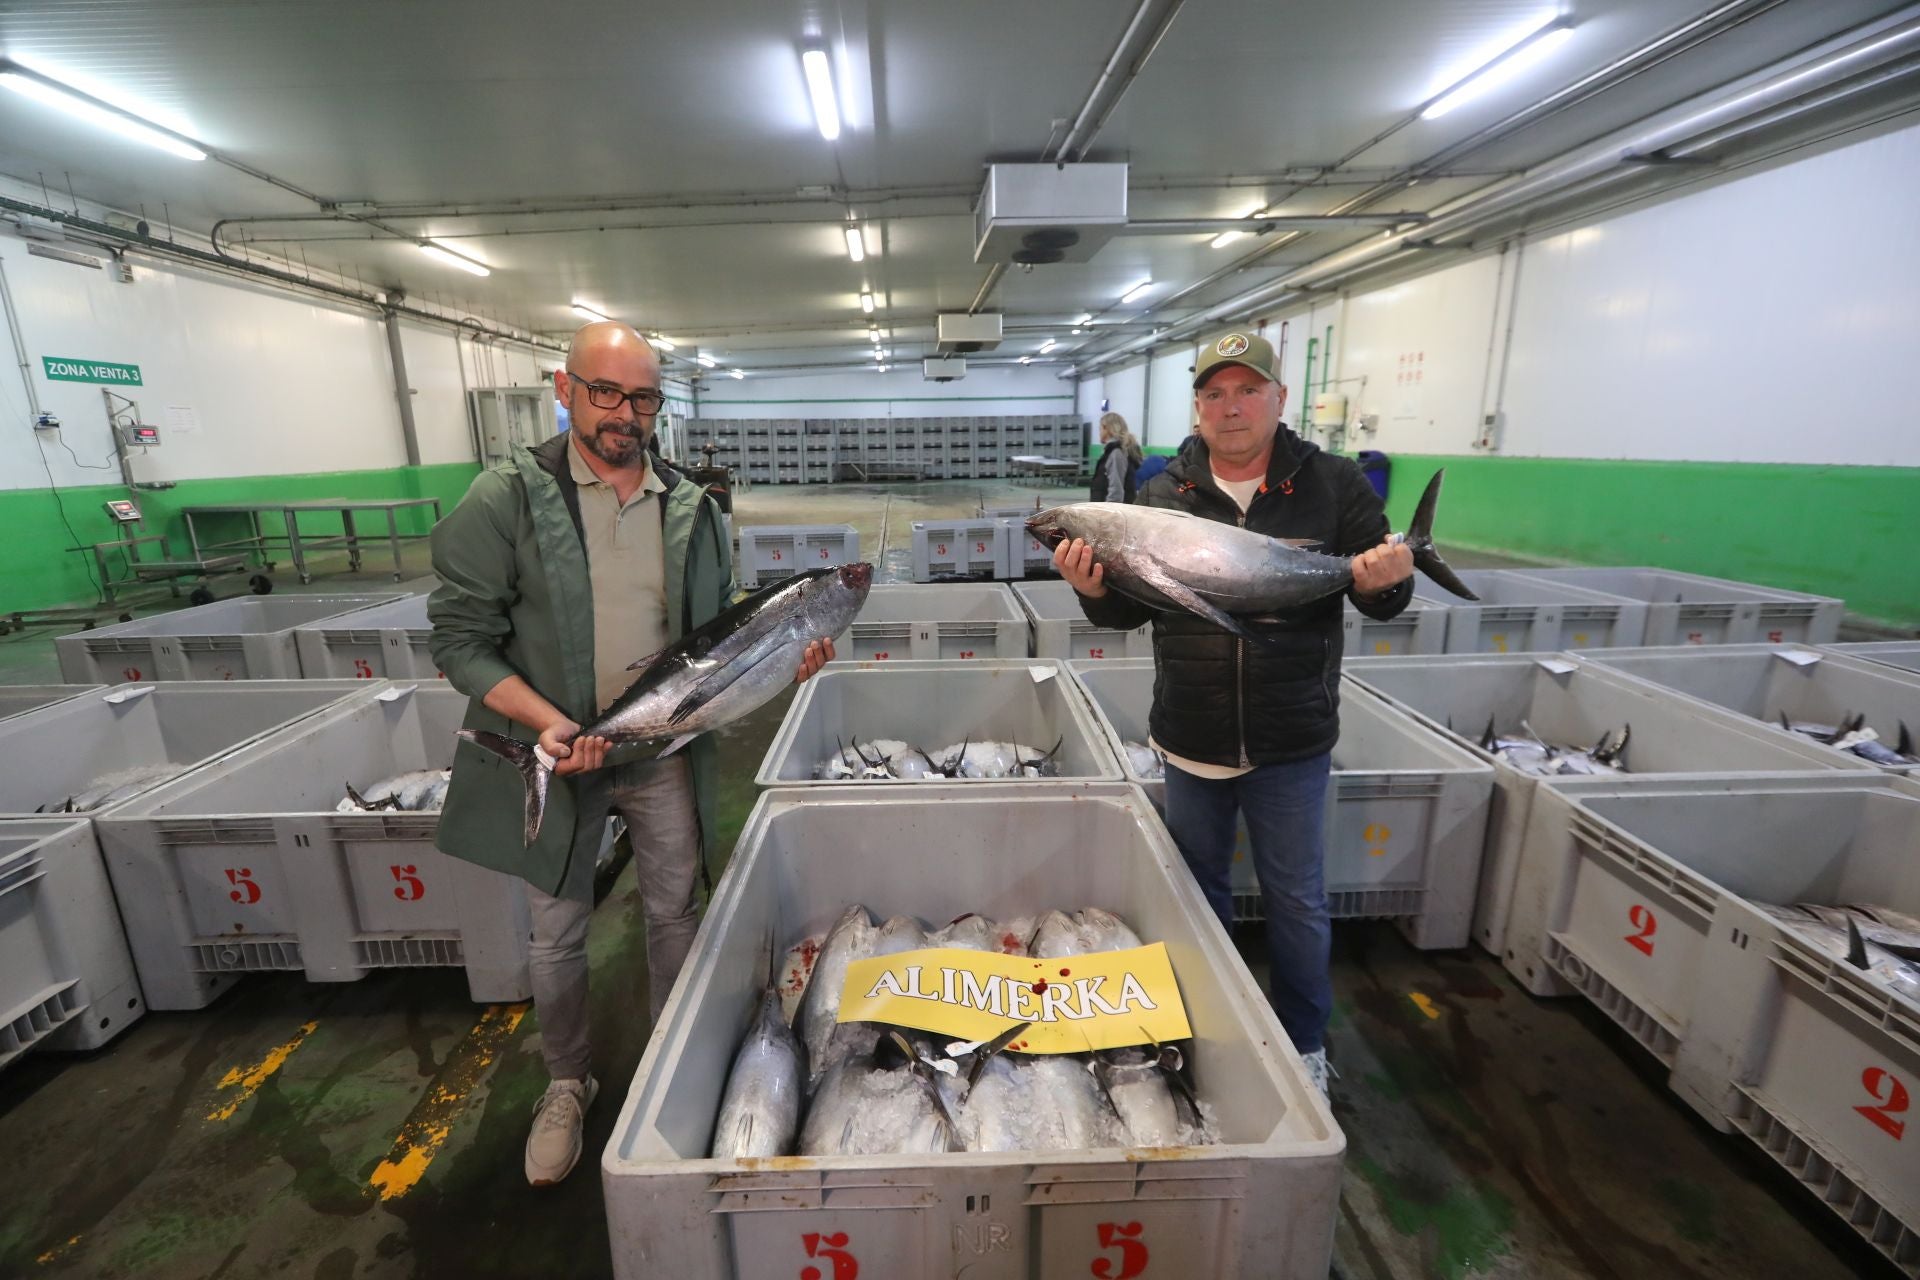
x=182 y=420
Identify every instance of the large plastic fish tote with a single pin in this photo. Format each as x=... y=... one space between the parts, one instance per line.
x=245 y=638
x=959 y=548
x=1568 y=702
x=770 y=552
x=15 y=698
x=1519 y=614
x=1768 y=1034
x=1421 y=627
x=244 y=865
x=66 y=980
x=1762 y=682
x=387 y=641
x=1684 y=608
x=1406 y=818
x=1061 y=630
x=947 y=620
x=56 y=752
x=1904 y=654
x=934 y=705
x=1261 y=1203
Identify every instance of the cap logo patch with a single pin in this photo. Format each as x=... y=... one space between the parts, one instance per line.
x=1234 y=344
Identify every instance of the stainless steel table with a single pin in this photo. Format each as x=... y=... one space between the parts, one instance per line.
x=260 y=541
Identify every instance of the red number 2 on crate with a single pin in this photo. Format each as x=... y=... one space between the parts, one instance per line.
x=1882 y=1113
x=1133 y=1253
x=1642 y=919
x=833 y=1248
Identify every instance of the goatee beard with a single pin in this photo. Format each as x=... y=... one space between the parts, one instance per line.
x=615 y=447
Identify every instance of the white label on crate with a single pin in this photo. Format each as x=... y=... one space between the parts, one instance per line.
x=125 y=694
x=1042 y=674
x=1558 y=666
x=1798 y=657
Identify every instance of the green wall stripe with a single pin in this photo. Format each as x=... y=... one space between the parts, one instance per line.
x=41 y=570
x=882 y=399
x=1835 y=531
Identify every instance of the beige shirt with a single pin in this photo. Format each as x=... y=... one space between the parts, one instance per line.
x=1241 y=491
x=627 y=566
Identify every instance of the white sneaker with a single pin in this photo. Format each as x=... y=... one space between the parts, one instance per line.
x=553 y=1147
x=1318 y=1070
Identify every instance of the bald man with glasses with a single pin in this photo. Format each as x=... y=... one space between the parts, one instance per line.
x=561 y=568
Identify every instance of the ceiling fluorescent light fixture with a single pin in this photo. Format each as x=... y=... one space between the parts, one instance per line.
x=1226 y=238
x=663 y=342
x=1502 y=67
x=1138 y=291
x=586 y=312
x=736 y=373
x=706 y=362
x=1026 y=359
x=881 y=368
x=826 y=106
x=1047 y=346
x=856 y=245
x=104 y=115
x=866 y=303
x=440 y=253
x=1087 y=318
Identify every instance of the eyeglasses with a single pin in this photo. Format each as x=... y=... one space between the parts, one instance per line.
x=647 y=400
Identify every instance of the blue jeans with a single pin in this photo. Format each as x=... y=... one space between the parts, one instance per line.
x=1285 y=807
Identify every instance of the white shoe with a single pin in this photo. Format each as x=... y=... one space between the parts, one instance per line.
x=1318 y=1069
x=553 y=1147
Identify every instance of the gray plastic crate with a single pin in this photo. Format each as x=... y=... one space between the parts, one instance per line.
x=1811 y=1059
x=934 y=705
x=1405 y=827
x=1061 y=629
x=15 y=698
x=388 y=640
x=59 y=750
x=244 y=866
x=1761 y=682
x=1904 y=654
x=1418 y=629
x=1262 y=1203
x=944 y=549
x=246 y=638
x=937 y=620
x=66 y=980
x=1519 y=614
x=769 y=552
x=1567 y=700
x=1026 y=555
x=1682 y=608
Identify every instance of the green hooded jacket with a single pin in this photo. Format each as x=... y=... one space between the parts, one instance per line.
x=515 y=599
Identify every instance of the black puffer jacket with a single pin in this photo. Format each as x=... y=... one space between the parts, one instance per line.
x=1104 y=472
x=1216 y=698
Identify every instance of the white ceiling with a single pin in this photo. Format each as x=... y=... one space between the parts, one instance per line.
x=686 y=129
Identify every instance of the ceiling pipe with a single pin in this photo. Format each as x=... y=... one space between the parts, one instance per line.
x=1262 y=225
x=1844 y=56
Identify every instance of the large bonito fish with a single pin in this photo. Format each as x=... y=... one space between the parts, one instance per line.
x=712 y=676
x=1176 y=561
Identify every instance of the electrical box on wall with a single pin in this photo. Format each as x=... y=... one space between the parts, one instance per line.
x=1492 y=426
x=1330 y=409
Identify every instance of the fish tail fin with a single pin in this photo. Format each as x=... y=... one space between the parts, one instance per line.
x=1426 y=557
x=1905 y=744
x=1856 y=946
x=534 y=775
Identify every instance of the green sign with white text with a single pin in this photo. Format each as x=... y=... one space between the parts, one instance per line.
x=65 y=369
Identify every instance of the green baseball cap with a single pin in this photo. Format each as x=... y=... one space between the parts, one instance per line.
x=1236 y=346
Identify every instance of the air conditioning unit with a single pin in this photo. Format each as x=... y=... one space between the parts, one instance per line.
x=1039 y=213
x=938 y=369
x=963 y=334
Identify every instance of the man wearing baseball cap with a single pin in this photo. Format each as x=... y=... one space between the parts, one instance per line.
x=1249 y=729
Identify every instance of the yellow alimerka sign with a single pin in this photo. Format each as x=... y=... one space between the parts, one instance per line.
x=1076 y=1003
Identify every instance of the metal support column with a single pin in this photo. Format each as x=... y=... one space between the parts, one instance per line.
x=402 y=389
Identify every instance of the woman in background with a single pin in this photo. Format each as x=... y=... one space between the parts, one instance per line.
x=1114 y=475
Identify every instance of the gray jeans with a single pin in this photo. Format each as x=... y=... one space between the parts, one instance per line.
x=656 y=799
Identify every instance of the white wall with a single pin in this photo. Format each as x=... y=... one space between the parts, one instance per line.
x=901 y=392
x=1772 y=318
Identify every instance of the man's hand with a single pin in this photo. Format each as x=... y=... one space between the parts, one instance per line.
x=572 y=753
x=818 y=655
x=1383 y=568
x=1075 y=562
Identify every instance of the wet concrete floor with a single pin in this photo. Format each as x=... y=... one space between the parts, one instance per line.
x=374 y=1129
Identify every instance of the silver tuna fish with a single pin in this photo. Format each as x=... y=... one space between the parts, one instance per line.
x=712 y=676
x=1176 y=561
x=880 y=1103
x=850 y=938
x=760 y=1111
x=112 y=788
x=1533 y=754
x=420 y=791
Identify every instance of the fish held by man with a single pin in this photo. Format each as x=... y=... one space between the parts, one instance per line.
x=1176 y=561
x=712 y=676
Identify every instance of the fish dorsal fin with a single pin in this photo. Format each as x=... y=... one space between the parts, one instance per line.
x=1856 y=946
x=1302 y=544
x=1905 y=744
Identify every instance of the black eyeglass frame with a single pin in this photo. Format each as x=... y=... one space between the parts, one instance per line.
x=647 y=401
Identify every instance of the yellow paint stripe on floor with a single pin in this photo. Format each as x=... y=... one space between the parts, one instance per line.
x=249 y=1079
x=427 y=1128
x=1423 y=1004
x=54 y=1254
